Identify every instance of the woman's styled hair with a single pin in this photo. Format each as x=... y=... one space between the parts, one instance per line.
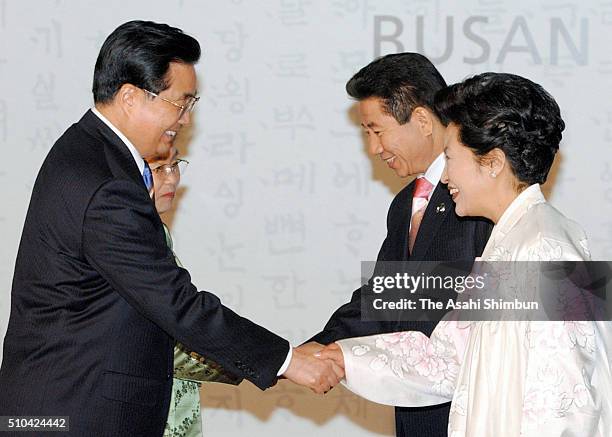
x=509 y=112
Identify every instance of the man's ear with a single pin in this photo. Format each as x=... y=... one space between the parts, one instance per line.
x=423 y=118
x=127 y=98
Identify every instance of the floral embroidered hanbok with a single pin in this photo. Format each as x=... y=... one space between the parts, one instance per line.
x=519 y=378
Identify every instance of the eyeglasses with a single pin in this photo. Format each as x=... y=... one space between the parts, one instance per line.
x=177 y=167
x=187 y=107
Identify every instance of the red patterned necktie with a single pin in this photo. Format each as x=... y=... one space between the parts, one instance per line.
x=422 y=190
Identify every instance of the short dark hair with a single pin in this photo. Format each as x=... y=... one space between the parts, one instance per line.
x=403 y=81
x=139 y=53
x=509 y=112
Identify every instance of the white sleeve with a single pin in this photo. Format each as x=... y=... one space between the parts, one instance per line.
x=406 y=369
x=285 y=365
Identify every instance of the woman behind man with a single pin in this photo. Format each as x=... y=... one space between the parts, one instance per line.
x=184 y=415
x=504 y=378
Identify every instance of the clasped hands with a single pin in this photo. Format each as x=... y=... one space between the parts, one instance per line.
x=316 y=366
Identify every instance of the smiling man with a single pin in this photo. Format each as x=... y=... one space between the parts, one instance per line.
x=98 y=300
x=407 y=146
x=395 y=95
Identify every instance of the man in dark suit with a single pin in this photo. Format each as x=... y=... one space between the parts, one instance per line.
x=97 y=298
x=395 y=95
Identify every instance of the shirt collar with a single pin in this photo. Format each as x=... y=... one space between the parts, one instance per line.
x=514 y=213
x=433 y=174
x=519 y=206
x=434 y=171
x=135 y=154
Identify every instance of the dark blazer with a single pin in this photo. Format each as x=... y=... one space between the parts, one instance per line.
x=443 y=236
x=97 y=300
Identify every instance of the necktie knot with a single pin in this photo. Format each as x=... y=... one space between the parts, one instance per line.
x=147 y=176
x=422 y=188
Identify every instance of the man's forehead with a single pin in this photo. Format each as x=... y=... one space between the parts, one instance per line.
x=181 y=91
x=181 y=80
x=371 y=109
x=375 y=118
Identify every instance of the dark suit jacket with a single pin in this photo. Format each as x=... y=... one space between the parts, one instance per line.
x=443 y=236
x=97 y=300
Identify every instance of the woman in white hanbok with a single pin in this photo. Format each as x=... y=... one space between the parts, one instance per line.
x=519 y=378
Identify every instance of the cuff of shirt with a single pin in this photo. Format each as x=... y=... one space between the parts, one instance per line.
x=285 y=365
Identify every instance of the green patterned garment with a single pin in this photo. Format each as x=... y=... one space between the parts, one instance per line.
x=184 y=415
x=190 y=368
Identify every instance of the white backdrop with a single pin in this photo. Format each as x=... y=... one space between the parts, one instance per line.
x=281 y=201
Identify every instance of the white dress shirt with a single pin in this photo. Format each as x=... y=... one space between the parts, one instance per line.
x=434 y=172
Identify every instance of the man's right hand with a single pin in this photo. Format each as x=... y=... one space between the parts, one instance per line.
x=311 y=348
x=317 y=374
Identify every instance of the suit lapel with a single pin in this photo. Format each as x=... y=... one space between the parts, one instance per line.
x=439 y=206
x=405 y=224
x=118 y=156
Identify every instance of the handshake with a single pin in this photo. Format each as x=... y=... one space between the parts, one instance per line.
x=316 y=366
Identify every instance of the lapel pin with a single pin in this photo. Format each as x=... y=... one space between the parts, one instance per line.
x=440 y=208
